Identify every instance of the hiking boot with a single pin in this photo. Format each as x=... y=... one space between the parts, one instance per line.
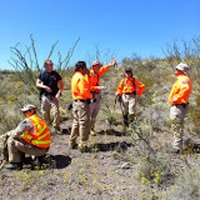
x=59 y=131
x=73 y=146
x=176 y=152
x=83 y=148
x=14 y=166
x=125 y=118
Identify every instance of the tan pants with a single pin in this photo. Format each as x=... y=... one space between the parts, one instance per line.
x=128 y=105
x=50 y=106
x=81 y=122
x=94 y=109
x=17 y=148
x=177 y=115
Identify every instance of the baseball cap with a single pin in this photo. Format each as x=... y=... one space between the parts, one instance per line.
x=96 y=62
x=183 y=67
x=27 y=108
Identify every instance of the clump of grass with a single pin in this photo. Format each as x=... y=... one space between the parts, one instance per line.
x=187 y=185
x=109 y=116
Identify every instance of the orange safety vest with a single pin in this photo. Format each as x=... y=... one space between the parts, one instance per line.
x=95 y=78
x=180 y=91
x=130 y=85
x=40 y=135
x=80 y=87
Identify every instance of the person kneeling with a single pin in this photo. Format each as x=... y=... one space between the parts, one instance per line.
x=32 y=136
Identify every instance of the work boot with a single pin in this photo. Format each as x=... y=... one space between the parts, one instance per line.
x=73 y=146
x=83 y=148
x=93 y=132
x=14 y=166
x=176 y=151
x=132 y=118
x=125 y=118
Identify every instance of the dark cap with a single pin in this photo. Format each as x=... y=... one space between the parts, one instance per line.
x=80 y=65
x=128 y=70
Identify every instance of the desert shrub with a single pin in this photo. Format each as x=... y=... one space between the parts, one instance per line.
x=26 y=64
x=194 y=114
x=187 y=185
x=109 y=115
x=7 y=122
x=153 y=167
x=152 y=194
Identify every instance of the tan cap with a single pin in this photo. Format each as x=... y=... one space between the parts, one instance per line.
x=27 y=108
x=183 y=67
x=96 y=62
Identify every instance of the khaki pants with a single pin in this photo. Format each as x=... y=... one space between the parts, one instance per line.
x=50 y=106
x=94 y=109
x=128 y=105
x=81 y=122
x=177 y=115
x=17 y=148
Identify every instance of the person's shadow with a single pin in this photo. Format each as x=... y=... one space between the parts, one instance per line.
x=60 y=161
x=122 y=146
x=47 y=162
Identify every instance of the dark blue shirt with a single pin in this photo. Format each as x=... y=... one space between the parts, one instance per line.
x=51 y=80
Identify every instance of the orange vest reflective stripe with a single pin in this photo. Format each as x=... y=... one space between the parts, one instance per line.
x=40 y=136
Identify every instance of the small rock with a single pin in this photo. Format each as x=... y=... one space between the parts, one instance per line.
x=125 y=165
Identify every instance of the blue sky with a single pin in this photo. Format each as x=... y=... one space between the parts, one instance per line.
x=123 y=26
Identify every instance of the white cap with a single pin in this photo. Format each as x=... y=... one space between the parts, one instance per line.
x=27 y=108
x=183 y=67
x=96 y=62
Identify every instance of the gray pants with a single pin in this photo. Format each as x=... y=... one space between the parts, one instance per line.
x=17 y=148
x=81 y=122
x=177 y=115
x=94 y=109
x=50 y=106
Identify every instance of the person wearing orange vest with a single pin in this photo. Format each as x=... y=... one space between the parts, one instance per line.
x=96 y=72
x=127 y=91
x=32 y=136
x=81 y=94
x=179 y=100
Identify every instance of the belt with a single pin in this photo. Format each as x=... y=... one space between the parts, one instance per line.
x=95 y=92
x=130 y=93
x=82 y=100
x=181 y=104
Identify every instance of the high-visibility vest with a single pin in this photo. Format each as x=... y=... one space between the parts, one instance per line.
x=130 y=85
x=80 y=86
x=40 y=135
x=95 y=78
x=181 y=90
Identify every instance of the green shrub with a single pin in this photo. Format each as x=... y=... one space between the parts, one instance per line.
x=187 y=185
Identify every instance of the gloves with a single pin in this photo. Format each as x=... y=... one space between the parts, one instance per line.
x=113 y=63
x=117 y=94
x=101 y=87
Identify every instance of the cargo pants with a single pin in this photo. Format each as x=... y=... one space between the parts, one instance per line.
x=94 y=109
x=128 y=107
x=81 y=123
x=17 y=148
x=50 y=106
x=177 y=115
